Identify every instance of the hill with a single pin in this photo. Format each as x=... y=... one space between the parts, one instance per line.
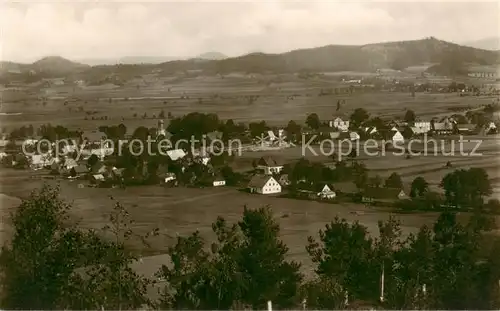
x=212 y=56
x=492 y=44
x=56 y=65
x=450 y=58
x=395 y=55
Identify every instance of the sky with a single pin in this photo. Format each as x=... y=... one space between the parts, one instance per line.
x=30 y=30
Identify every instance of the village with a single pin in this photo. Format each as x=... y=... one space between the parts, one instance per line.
x=90 y=160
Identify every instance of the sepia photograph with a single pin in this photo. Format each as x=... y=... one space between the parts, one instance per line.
x=249 y=155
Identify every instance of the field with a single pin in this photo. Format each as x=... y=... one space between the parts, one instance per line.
x=184 y=210
x=280 y=100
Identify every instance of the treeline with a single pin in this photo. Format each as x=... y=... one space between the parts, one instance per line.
x=51 y=264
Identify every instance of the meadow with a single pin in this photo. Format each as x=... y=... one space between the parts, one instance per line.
x=278 y=101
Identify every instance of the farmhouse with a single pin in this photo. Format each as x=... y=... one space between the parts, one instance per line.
x=326 y=192
x=378 y=194
x=269 y=165
x=340 y=124
x=264 y=185
x=398 y=137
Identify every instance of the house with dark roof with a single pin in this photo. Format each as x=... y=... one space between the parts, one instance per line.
x=264 y=184
x=78 y=171
x=269 y=165
x=382 y=194
x=346 y=188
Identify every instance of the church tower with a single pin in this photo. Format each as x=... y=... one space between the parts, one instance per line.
x=161 y=128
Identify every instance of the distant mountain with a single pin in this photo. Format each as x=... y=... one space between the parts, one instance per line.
x=395 y=55
x=211 y=56
x=56 y=65
x=127 y=60
x=449 y=58
x=492 y=43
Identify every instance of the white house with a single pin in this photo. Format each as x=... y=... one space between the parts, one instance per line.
x=269 y=165
x=38 y=161
x=264 y=184
x=169 y=177
x=176 y=154
x=326 y=192
x=491 y=127
x=423 y=126
x=398 y=137
x=340 y=124
x=354 y=136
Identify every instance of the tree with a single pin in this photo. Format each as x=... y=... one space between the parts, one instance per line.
x=51 y=262
x=262 y=261
x=92 y=160
x=466 y=187
x=293 y=130
x=419 y=187
x=245 y=266
x=394 y=181
x=313 y=121
x=109 y=281
x=410 y=116
x=344 y=255
x=359 y=116
x=33 y=263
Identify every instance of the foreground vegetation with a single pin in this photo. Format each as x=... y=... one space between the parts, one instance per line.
x=57 y=265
